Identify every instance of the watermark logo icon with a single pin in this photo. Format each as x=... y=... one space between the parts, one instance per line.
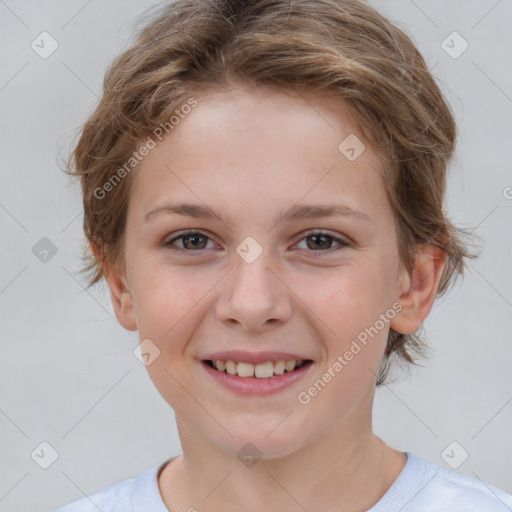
x=249 y=249
x=44 y=250
x=249 y=455
x=44 y=45
x=44 y=455
x=351 y=147
x=454 y=45
x=146 y=352
x=454 y=455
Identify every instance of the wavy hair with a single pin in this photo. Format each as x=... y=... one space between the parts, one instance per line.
x=343 y=49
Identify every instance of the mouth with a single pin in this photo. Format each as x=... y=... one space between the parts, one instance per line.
x=265 y=370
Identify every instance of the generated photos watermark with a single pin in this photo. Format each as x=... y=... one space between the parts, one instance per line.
x=143 y=150
x=357 y=345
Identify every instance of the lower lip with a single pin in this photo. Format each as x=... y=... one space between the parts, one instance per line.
x=254 y=385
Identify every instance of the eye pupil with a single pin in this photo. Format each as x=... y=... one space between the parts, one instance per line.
x=194 y=237
x=316 y=237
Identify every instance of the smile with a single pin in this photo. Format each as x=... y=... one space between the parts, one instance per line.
x=263 y=370
x=264 y=378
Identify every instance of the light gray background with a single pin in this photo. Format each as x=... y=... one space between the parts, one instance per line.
x=67 y=372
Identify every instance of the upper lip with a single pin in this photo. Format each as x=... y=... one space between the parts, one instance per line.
x=241 y=356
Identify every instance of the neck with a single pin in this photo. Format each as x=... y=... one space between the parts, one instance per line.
x=346 y=469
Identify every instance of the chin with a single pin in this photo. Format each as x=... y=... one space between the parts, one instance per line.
x=264 y=439
x=251 y=450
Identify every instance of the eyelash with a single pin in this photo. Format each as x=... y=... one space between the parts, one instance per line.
x=342 y=243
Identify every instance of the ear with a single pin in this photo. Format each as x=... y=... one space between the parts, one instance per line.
x=417 y=289
x=120 y=295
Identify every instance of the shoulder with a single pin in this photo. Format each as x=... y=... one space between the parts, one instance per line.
x=117 y=497
x=113 y=498
x=446 y=490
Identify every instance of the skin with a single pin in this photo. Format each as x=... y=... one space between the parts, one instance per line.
x=249 y=154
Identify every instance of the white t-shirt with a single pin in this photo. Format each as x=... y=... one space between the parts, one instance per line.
x=420 y=487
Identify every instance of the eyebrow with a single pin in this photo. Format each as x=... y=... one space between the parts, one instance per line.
x=296 y=212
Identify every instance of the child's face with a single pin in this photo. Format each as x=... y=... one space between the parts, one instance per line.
x=250 y=156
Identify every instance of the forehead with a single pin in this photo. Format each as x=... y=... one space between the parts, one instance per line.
x=240 y=146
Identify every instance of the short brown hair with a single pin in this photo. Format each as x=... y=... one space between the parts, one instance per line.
x=343 y=49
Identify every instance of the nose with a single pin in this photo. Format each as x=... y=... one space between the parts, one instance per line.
x=254 y=296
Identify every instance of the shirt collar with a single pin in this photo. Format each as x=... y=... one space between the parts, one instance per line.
x=145 y=493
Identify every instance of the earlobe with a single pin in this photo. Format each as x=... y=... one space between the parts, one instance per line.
x=417 y=290
x=120 y=295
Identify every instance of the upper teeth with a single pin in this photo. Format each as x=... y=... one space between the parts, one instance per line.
x=260 y=370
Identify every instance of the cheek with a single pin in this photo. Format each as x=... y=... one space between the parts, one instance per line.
x=168 y=306
x=350 y=305
x=350 y=299
x=166 y=303
x=355 y=336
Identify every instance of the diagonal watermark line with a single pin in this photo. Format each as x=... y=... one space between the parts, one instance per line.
x=485 y=15
x=304 y=195
x=89 y=293
x=501 y=409
x=424 y=13
x=14 y=76
x=280 y=423
x=302 y=301
x=491 y=490
x=305 y=99
x=216 y=487
x=408 y=407
x=14 y=218
x=80 y=79
x=76 y=14
x=198 y=402
x=15 y=485
x=72 y=220
x=14 y=423
x=13 y=279
x=3 y=3
x=493 y=287
x=286 y=491
x=416 y=494
x=104 y=395
x=488 y=215
x=85 y=495
x=169 y=169
x=492 y=81
x=412 y=411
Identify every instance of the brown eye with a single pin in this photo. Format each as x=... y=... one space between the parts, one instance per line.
x=320 y=241
x=191 y=241
x=195 y=241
